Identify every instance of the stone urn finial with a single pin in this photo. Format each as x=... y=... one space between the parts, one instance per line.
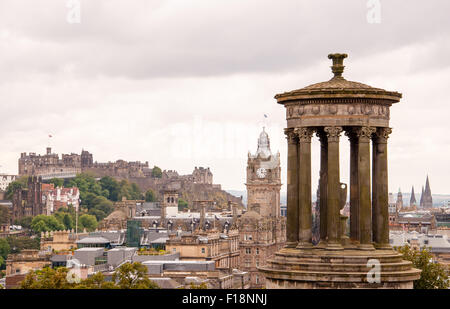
x=338 y=64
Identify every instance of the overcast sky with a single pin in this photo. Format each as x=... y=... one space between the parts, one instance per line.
x=187 y=83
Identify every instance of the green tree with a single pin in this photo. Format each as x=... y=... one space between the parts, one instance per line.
x=43 y=223
x=4 y=251
x=96 y=281
x=112 y=186
x=433 y=276
x=67 y=221
x=57 y=182
x=182 y=204
x=18 y=184
x=88 y=222
x=25 y=222
x=133 y=276
x=150 y=196
x=47 y=278
x=156 y=172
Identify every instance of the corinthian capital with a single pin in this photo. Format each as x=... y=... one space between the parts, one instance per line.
x=333 y=133
x=364 y=133
x=382 y=134
x=291 y=136
x=304 y=134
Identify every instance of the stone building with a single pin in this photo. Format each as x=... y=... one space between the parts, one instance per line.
x=202 y=245
x=69 y=165
x=202 y=175
x=26 y=261
x=28 y=201
x=59 y=197
x=262 y=229
x=39 y=198
x=117 y=220
x=60 y=240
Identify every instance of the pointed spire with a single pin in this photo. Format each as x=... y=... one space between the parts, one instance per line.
x=427 y=198
x=427 y=186
x=412 y=201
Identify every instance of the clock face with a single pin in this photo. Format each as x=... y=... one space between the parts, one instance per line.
x=261 y=172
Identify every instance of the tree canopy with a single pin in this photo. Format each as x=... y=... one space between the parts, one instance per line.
x=433 y=276
x=127 y=276
x=20 y=183
x=156 y=172
x=182 y=204
x=150 y=196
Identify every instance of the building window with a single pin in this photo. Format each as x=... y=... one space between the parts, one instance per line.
x=203 y=250
x=256 y=279
x=248 y=250
x=174 y=250
x=257 y=250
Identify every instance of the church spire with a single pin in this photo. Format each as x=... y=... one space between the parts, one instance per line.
x=412 y=201
x=427 y=198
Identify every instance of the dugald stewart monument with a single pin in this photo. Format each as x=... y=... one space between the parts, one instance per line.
x=362 y=256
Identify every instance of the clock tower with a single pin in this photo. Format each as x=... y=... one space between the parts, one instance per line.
x=263 y=179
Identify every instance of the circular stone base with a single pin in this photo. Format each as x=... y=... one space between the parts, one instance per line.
x=350 y=268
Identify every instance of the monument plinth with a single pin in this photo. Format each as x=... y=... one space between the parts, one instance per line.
x=338 y=261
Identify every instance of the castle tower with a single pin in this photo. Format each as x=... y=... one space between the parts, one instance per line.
x=263 y=179
x=412 y=200
x=328 y=109
x=427 y=198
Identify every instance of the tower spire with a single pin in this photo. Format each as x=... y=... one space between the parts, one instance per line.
x=412 y=200
x=427 y=198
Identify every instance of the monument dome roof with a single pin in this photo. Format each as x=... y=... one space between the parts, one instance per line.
x=338 y=87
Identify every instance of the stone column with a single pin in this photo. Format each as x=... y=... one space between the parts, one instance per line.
x=380 y=193
x=333 y=196
x=364 y=135
x=304 y=186
x=292 y=189
x=323 y=186
x=354 y=188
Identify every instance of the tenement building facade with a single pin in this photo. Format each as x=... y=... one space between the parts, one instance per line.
x=262 y=229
